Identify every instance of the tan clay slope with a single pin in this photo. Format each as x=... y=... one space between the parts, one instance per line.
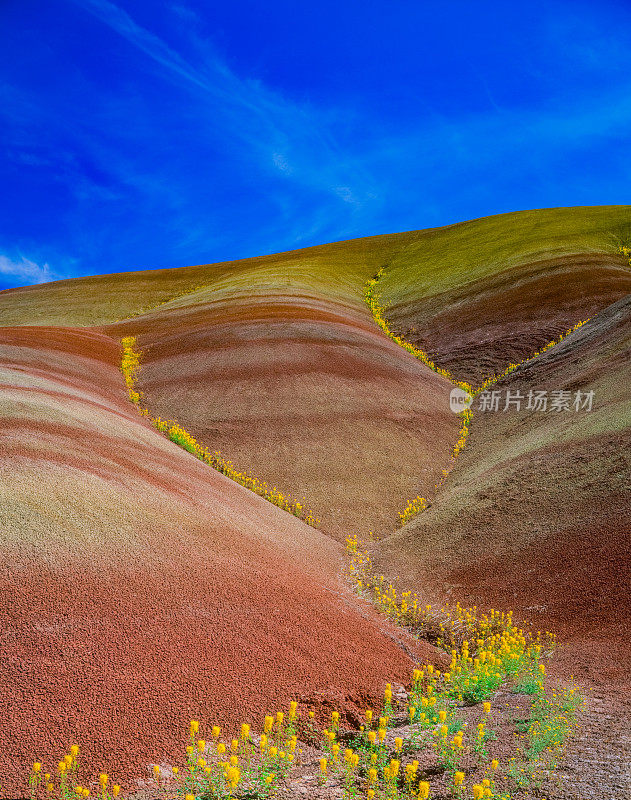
x=536 y=515
x=341 y=267
x=141 y=588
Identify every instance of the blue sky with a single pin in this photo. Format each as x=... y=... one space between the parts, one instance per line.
x=141 y=134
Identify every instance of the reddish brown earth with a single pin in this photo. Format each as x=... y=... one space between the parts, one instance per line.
x=308 y=395
x=480 y=294
x=536 y=517
x=536 y=514
x=478 y=327
x=140 y=588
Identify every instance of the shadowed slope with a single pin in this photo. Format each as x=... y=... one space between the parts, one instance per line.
x=480 y=294
x=141 y=588
x=536 y=514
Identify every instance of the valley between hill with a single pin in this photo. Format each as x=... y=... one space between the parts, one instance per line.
x=141 y=588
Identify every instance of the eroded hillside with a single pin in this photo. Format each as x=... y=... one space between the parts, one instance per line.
x=142 y=588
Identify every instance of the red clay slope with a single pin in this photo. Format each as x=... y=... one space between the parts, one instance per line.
x=307 y=393
x=140 y=588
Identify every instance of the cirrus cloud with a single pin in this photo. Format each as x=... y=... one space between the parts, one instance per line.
x=25 y=270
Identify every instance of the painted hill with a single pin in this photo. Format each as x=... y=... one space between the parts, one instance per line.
x=480 y=294
x=536 y=517
x=536 y=513
x=210 y=600
x=277 y=363
x=141 y=588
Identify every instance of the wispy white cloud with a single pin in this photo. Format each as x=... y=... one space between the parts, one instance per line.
x=186 y=14
x=281 y=163
x=274 y=132
x=25 y=270
x=319 y=149
x=188 y=158
x=118 y=19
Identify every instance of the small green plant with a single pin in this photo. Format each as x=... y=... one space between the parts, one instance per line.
x=552 y=718
x=529 y=685
x=484 y=735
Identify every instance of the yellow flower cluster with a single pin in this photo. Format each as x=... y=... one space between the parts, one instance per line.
x=66 y=785
x=508 y=653
x=449 y=627
x=370 y=765
x=215 y=767
x=487 y=651
x=130 y=366
x=430 y=708
x=466 y=415
x=626 y=252
x=377 y=765
x=412 y=509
